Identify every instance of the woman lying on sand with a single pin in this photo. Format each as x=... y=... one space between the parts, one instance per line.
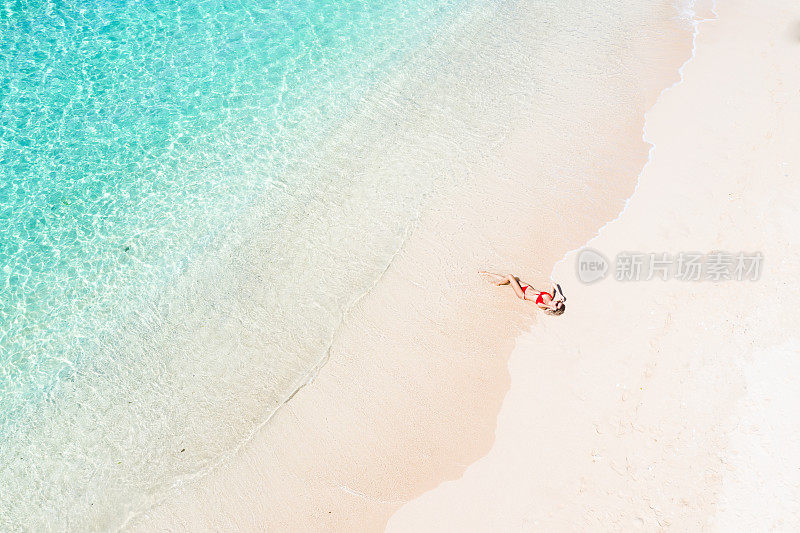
x=552 y=304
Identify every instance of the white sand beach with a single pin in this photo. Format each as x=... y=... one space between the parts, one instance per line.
x=648 y=404
x=658 y=404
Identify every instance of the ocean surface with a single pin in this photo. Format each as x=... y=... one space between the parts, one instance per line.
x=141 y=145
x=192 y=196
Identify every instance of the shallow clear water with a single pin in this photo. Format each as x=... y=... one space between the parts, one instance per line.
x=135 y=139
x=192 y=196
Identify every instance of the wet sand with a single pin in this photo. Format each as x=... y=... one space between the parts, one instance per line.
x=416 y=377
x=668 y=404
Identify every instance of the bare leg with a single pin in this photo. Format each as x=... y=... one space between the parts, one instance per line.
x=514 y=285
x=507 y=280
x=499 y=279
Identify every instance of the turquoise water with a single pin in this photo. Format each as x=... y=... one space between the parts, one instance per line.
x=135 y=139
x=193 y=196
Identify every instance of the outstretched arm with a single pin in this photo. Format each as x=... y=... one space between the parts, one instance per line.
x=557 y=294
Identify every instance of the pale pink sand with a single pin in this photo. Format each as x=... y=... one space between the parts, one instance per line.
x=654 y=405
x=416 y=376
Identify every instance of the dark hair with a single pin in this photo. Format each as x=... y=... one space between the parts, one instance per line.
x=559 y=310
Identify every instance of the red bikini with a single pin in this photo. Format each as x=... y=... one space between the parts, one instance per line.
x=539 y=299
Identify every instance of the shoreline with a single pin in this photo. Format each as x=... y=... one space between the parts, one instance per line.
x=358 y=441
x=676 y=408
